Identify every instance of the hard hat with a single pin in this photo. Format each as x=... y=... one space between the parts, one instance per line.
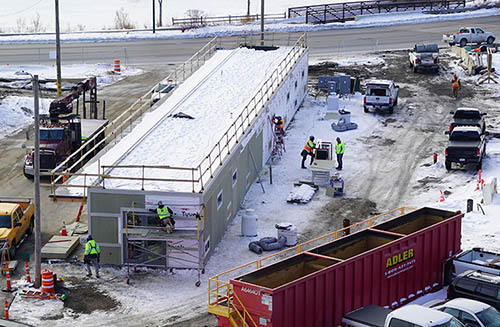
x=311 y=138
x=89 y=237
x=455 y=75
x=160 y=203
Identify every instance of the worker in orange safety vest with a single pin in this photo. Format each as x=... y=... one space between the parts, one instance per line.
x=455 y=85
x=308 y=151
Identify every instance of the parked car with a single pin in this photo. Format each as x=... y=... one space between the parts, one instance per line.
x=411 y=315
x=468 y=117
x=471 y=312
x=469 y=35
x=424 y=57
x=466 y=145
x=476 y=285
x=380 y=95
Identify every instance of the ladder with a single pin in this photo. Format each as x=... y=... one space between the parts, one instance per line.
x=278 y=142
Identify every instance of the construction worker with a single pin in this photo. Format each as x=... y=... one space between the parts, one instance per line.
x=308 y=151
x=92 y=256
x=279 y=125
x=339 y=150
x=455 y=85
x=165 y=215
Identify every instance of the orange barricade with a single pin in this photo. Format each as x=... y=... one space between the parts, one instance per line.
x=47 y=281
x=117 y=66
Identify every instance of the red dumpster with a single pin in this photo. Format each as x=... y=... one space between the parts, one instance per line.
x=389 y=264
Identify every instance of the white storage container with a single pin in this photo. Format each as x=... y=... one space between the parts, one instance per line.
x=289 y=231
x=249 y=223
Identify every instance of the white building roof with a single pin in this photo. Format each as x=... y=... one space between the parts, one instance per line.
x=214 y=96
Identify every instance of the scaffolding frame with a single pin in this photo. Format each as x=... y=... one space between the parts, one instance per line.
x=139 y=236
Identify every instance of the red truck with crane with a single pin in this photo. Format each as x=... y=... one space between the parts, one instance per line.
x=62 y=133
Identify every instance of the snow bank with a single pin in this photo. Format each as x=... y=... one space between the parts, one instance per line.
x=16 y=113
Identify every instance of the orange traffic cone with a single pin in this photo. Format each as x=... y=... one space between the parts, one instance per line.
x=6 y=315
x=64 y=232
x=28 y=278
x=7 y=277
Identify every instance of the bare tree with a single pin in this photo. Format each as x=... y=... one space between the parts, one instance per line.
x=195 y=13
x=20 y=25
x=36 y=25
x=160 y=4
x=122 y=20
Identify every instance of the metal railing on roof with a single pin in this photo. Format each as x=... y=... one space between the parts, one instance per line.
x=205 y=171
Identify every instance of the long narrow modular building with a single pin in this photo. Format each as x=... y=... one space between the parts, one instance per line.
x=198 y=152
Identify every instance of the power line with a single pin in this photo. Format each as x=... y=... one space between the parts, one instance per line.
x=22 y=10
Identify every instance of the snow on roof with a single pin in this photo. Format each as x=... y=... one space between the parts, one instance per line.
x=215 y=99
x=467 y=129
x=420 y=315
x=467 y=109
x=467 y=304
x=379 y=82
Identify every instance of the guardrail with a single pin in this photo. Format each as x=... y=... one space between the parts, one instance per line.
x=201 y=174
x=239 y=127
x=126 y=118
x=241 y=19
x=220 y=290
x=342 y=12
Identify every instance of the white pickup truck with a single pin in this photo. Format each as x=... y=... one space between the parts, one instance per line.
x=409 y=315
x=468 y=35
x=380 y=95
x=424 y=57
x=475 y=259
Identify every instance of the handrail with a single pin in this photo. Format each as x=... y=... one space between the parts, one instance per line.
x=300 y=247
x=217 y=298
x=204 y=172
x=341 y=12
x=229 y=297
x=111 y=130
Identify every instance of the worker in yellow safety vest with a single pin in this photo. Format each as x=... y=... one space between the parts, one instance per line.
x=339 y=150
x=165 y=215
x=92 y=256
x=308 y=151
x=455 y=85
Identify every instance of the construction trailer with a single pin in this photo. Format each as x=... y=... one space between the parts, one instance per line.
x=388 y=264
x=123 y=187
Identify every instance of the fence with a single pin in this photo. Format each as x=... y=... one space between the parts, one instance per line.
x=243 y=19
x=342 y=12
x=200 y=175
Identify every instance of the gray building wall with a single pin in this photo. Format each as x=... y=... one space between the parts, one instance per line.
x=223 y=194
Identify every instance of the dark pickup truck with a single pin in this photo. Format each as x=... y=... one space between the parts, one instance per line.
x=466 y=145
x=468 y=117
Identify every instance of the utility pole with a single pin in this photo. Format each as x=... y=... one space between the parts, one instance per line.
x=160 y=4
x=58 y=52
x=262 y=22
x=154 y=22
x=248 y=8
x=38 y=236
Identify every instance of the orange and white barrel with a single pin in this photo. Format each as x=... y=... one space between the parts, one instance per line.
x=117 y=65
x=47 y=281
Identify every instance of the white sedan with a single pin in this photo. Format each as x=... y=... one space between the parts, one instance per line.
x=472 y=313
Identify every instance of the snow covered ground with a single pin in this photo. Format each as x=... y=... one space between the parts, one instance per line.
x=221 y=30
x=175 y=294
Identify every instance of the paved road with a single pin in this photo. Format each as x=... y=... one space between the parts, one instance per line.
x=322 y=44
